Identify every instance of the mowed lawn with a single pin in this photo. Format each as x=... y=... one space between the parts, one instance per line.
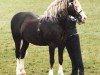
x=37 y=58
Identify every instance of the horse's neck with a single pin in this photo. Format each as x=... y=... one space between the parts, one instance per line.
x=56 y=10
x=59 y=17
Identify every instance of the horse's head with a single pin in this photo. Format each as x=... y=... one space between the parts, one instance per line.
x=60 y=9
x=75 y=9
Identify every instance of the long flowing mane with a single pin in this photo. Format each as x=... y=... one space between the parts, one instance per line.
x=56 y=7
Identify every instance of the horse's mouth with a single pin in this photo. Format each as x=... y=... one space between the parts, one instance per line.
x=81 y=21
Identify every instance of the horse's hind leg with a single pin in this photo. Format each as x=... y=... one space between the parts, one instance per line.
x=20 y=54
x=51 y=53
x=17 y=41
x=17 y=46
x=60 y=57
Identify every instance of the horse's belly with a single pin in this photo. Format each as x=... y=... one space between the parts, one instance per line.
x=39 y=43
x=36 y=40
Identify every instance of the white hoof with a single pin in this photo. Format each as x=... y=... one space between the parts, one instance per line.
x=60 y=73
x=20 y=67
x=50 y=72
x=20 y=72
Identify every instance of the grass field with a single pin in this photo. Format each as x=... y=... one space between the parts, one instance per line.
x=37 y=59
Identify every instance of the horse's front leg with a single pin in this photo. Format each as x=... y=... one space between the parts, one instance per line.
x=20 y=59
x=60 y=57
x=51 y=53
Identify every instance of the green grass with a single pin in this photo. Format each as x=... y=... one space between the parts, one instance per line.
x=37 y=59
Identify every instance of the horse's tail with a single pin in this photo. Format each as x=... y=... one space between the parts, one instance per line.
x=15 y=29
x=18 y=20
x=16 y=23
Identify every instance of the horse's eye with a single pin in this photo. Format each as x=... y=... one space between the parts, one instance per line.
x=76 y=8
x=70 y=4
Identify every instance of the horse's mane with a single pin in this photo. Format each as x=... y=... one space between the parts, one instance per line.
x=54 y=8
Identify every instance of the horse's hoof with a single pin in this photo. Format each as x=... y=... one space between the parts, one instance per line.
x=60 y=73
x=21 y=74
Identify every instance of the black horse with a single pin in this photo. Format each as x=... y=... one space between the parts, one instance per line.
x=47 y=30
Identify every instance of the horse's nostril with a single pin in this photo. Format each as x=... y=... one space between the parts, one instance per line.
x=85 y=18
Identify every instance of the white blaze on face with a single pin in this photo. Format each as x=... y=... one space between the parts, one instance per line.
x=80 y=10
